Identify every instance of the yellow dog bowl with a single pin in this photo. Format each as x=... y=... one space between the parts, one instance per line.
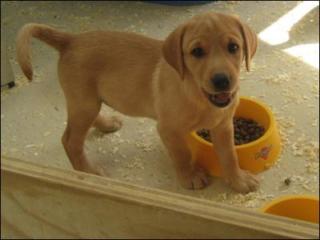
x=254 y=156
x=299 y=207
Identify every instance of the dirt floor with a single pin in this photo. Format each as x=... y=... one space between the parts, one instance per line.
x=33 y=115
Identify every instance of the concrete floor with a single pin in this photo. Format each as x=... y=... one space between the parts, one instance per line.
x=33 y=114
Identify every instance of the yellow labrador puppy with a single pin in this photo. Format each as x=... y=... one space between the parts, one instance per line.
x=187 y=82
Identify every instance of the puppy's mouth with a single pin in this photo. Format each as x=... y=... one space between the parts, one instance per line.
x=221 y=99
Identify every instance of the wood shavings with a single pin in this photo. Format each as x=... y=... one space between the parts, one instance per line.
x=286 y=125
x=305 y=186
x=305 y=97
x=302 y=182
x=101 y=150
x=314 y=123
x=312 y=167
x=304 y=148
x=136 y=163
x=141 y=121
x=117 y=134
x=99 y=139
x=250 y=200
x=40 y=114
x=145 y=146
x=20 y=80
x=279 y=79
x=286 y=122
x=115 y=150
x=151 y=129
x=34 y=145
x=292 y=96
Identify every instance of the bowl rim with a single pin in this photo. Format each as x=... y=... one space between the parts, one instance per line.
x=288 y=197
x=246 y=145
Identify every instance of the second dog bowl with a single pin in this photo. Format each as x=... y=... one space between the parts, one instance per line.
x=254 y=156
x=299 y=207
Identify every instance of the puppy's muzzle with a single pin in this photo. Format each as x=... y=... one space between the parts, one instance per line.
x=222 y=95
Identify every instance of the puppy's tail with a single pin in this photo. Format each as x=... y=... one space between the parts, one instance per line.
x=58 y=40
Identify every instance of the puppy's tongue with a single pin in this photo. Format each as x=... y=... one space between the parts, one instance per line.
x=221 y=97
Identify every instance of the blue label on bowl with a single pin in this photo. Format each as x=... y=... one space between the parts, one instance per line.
x=263 y=153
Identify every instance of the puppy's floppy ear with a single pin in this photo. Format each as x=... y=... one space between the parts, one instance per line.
x=172 y=50
x=250 y=42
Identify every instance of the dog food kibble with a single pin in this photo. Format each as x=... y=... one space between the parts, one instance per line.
x=245 y=131
x=204 y=134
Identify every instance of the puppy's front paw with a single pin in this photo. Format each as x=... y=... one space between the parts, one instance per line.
x=244 y=182
x=193 y=178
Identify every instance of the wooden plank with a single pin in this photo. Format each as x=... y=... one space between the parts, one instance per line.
x=44 y=202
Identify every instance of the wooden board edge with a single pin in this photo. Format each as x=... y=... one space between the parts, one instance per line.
x=279 y=226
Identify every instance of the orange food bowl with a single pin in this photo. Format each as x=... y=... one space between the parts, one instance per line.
x=254 y=156
x=299 y=207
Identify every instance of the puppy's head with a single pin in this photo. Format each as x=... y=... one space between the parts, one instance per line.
x=209 y=50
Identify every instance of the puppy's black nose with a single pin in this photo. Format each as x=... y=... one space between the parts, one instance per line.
x=220 y=82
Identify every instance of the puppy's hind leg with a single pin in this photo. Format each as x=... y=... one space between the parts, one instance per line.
x=80 y=119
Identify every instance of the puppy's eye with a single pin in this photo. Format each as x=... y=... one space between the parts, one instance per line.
x=197 y=52
x=233 y=48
